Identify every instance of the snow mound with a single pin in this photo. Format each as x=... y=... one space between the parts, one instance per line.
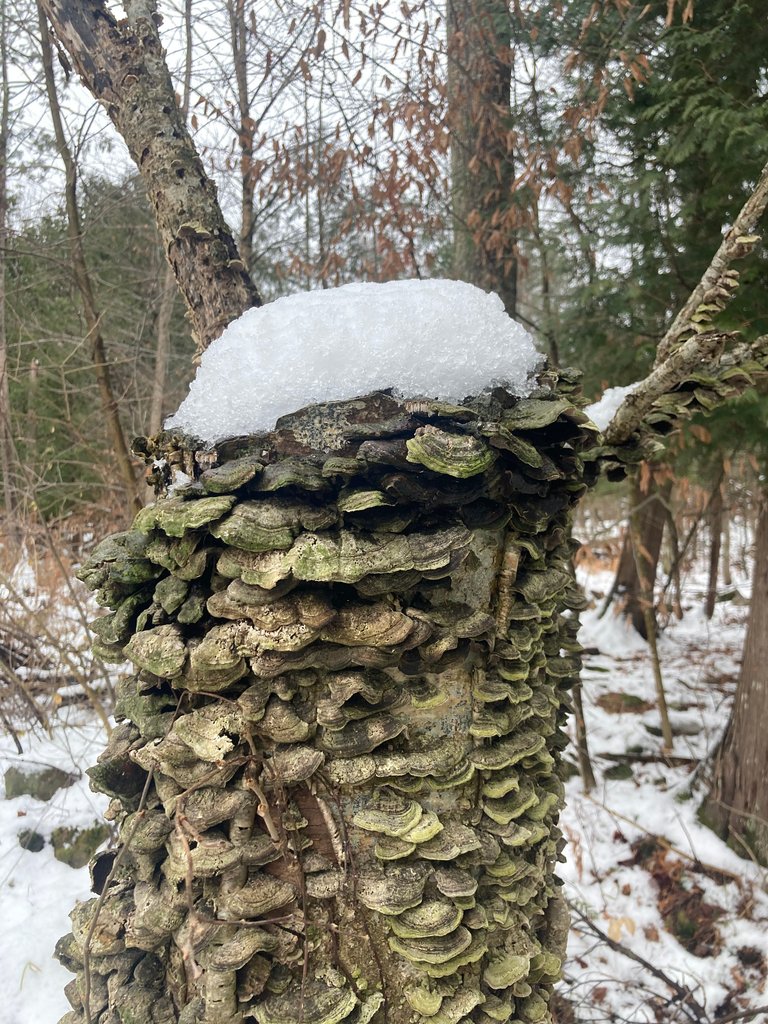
x=438 y=339
x=602 y=412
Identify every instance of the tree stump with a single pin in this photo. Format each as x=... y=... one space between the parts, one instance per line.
x=336 y=772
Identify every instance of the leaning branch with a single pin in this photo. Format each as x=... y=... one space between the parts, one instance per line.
x=663 y=379
x=692 y=341
x=123 y=65
x=713 y=288
x=683 y=995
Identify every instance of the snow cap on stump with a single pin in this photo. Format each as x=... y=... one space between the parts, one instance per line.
x=440 y=339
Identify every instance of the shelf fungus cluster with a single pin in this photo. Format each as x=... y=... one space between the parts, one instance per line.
x=335 y=769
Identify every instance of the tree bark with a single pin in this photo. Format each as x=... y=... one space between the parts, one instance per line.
x=649 y=506
x=737 y=804
x=123 y=65
x=645 y=564
x=246 y=127
x=165 y=313
x=162 y=351
x=582 y=742
x=727 y=526
x=485 y=217
x=94 y=338
x=715 y=541
x=7 y=460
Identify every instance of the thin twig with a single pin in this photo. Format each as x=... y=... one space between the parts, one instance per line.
x=665 y=843
x=683 y=993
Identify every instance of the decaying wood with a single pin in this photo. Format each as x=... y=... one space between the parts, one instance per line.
x=123 y=65
x=691 y=342
x=350 y=684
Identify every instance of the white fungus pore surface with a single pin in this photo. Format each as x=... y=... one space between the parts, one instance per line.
x=437 y=339
x=602 y=412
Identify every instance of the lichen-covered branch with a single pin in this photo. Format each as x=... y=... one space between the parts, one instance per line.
x=633 y=411
x=122 y=63
x=692 y=342
x=715 y=288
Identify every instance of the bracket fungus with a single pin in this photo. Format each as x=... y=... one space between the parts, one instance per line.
x=353 y=641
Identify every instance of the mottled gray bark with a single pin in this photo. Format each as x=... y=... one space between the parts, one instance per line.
x=169 y=292
x=123 y=65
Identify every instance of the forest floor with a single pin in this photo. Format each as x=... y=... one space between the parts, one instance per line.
x=669 y=924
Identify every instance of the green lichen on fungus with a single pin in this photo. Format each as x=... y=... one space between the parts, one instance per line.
x=353 y=641
x=457 y=455
x=175 y=516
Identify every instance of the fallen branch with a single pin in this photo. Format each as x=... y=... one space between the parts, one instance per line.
x=669 y=759
x=665 y=843
x=683 y=994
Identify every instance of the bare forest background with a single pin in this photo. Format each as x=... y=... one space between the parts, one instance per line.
x=581 y=158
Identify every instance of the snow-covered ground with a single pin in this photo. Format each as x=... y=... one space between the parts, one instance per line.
x=717 y=899
x=36 y=890
x=636 y=845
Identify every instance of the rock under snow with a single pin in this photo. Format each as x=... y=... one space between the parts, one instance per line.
x=437 y=339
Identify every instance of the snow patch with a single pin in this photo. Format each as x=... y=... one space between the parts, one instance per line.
x=441 y=339
x=37 y=891
x=602 y=412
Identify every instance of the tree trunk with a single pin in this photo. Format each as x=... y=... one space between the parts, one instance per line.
x=726 y=557
x=645 y=597
x=676 y=556
x=582 y=743
x=715 y=539
x=737 y=805
x=238 y=36
x=10 y=504
x=123 y=65
x=485 y=216
x=336 y=771
x=82 y=278
x=162 y=352
x=165 y=313
x=649 y=503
